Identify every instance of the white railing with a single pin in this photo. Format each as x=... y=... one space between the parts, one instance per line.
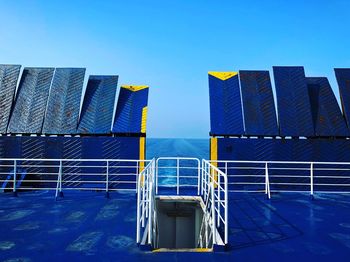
x=70 y=174
x=146 y=215
x=286 y=176
x=215 y=196
x=178 y=172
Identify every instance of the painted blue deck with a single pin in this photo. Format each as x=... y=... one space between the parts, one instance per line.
x=87 y=226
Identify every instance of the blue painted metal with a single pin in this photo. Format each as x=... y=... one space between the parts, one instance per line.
x=31 y=99
x=64 y=101
x=128 y=116
x=294 y=110
x=8 y=82
x=258 y=104
x=225 y=106
x=98 y=105
x=327 y=117
x=343 y=79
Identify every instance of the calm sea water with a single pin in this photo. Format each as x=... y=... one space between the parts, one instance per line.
x=164 y=147
x=161 y=147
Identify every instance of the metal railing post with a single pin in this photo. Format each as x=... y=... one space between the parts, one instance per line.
x=213 y=213
x=177 y=176
x=60 y=174
x=15 y=177
x=156 y=176
x=219 y=198
x=267 y=182
x=199 y=177
x=107 y=179
x=312 y=179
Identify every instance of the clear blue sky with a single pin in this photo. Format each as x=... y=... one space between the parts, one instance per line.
x=171 y=45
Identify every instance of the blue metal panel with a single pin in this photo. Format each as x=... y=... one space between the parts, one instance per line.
x=343 y=79
x=29 y=109
x=294 y=110
x=258 y=104
x=8 y=82
x=64 y=101
x=225 y=106
x=98 y=105
x=327 y=117
x=128 y=116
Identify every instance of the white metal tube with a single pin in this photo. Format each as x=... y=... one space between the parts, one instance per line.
x=312 y=179
x=107 y=174
x=177 y=176
x=14 y=175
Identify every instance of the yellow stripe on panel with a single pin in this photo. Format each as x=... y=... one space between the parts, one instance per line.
x=144 y=119
x=214 y=155
x=142 y=154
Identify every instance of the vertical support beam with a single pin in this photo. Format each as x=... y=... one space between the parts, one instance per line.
x=142 y=154
x=214 y=155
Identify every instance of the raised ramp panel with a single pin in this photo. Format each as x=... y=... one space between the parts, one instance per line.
x=8 y=83
x=64 y=101
x=98 y=105
x=294 y=110
x=327 y=117
x=131 y=113
x=258 y=105
x=29 y=109
x=225 y=104
x=343 y=79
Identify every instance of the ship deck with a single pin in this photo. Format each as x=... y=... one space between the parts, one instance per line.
x=86 y=226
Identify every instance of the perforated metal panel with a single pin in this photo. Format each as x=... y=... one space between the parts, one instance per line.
x=131 y=110
x=64 y=101
x=97 y=111
x=258 y=104
x=343 y=79
x=327 y=117
x=8 y=82
x=31 y=99
x=294 y=110
x=225 y=104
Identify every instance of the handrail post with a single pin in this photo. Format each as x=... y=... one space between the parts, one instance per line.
x=60 y=178
x=107 y=179
x=219 y=198
x=15 y=178
x=267 y=182
x=177 y=176
x=199 y=176
x=156 y=176
x=213 y=212
x=312 y=180
x=226 y=209
x=138 y=210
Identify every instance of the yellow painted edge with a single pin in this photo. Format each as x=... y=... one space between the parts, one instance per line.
x=214 y=154
x=142 y=154
x=144 y=119
x=134 y=88
x=222 y=75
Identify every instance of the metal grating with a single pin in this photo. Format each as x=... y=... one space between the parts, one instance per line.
x=64 y=101
x=258 y=105
x=225 y=105
x=98 y=105
x=294 y=110
x=8 y=82
x=130 y=113
x=31 y=99
x=327 y=117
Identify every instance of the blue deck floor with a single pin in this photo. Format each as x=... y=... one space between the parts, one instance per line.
x=85 y=226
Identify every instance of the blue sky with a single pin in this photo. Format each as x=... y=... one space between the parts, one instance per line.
x=171 y=45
